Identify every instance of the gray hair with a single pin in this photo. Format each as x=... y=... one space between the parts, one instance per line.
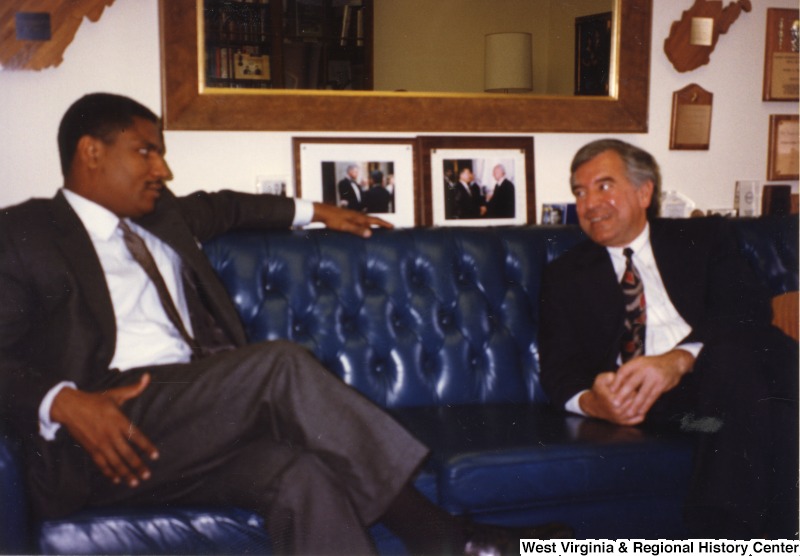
x=640 y=166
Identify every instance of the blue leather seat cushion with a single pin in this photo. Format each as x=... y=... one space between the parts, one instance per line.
x=505 y=457
x=155 y=531
x=219 y=530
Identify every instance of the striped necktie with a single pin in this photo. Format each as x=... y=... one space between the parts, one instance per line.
x=632 y=344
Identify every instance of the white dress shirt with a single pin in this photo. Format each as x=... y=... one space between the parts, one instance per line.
x=665 y=327
x=145 y=335
x=356 y=189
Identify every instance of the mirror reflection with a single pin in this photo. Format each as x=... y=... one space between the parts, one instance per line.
x=411 y=45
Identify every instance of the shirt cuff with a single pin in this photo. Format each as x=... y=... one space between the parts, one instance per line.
x=692 y=347
x=303 y=213
x=47 y=428
x=573 y=405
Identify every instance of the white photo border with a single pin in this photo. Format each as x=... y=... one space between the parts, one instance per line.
x=491 y=158
x=311 y=152
x=434 y=150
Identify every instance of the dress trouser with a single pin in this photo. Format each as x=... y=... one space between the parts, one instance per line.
x=741 y=403
x=266 y=427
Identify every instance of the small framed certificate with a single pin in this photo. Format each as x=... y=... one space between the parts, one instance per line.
x=782 y=159
x=781 y=73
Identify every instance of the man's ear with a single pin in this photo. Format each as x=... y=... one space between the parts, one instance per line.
x=89 y=151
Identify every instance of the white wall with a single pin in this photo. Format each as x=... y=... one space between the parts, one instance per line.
x=120 y=54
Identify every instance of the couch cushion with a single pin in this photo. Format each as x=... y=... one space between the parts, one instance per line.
x=408 y=317
x=182 y=530
x=770 y=245
x=155 y=531
x=13 y=524
x=504 y=457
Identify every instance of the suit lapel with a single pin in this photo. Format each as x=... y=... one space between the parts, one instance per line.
x=671 y=259
x=598 y=273
x=600 y=299
x=170 y=227
x=74 y=242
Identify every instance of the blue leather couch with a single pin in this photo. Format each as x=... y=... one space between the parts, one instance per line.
x=438 y=326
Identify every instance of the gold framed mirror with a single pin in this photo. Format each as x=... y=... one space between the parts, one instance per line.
x=187 y=107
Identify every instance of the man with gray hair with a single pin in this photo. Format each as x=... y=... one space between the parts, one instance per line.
x=350 y=193
x=655 y=320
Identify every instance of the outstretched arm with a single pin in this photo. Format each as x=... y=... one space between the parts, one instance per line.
x=346 y=220
x=211 y=214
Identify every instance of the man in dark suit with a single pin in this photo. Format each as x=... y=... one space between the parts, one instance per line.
x=377 y=199
x=125 y=371
x=464 y=199
x=500 y=202
x=350 y=193
x=662 y=321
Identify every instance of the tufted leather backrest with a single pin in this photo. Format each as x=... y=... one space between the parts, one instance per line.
x=419 y=316
x=770 y=245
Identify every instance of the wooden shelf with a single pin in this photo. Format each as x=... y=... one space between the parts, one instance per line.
x=295 y=45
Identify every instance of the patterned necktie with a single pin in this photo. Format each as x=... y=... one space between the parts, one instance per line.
x=632 y=344
x=141 y=254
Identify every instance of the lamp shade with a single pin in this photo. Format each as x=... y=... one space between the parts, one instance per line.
x=507 y=63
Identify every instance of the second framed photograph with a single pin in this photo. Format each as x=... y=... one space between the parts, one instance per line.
x=476 y=181
x=374 y=176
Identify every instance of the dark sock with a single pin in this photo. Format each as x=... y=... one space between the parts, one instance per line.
x=423 y=526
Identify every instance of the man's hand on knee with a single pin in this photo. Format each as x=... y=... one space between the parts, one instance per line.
x=96 y=422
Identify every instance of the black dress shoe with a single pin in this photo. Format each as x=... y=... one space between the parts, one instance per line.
x=494 y=540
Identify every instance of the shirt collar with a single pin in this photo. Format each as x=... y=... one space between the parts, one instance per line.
x=639 y=243
x=98 y=220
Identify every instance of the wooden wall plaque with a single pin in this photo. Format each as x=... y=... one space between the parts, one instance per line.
x=35 y=33
x=692 y=39
x=691 y=118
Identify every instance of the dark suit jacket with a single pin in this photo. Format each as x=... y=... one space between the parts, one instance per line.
x=707 y=280
x=501 y=205
x=460 y=204
x=56 y=318
x=377 y=199
x=346 y=193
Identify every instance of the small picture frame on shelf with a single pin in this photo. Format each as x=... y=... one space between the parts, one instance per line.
x=782 y=160
x=251 y=67
x=559 y=213
x=477 y=181
x=374 y=176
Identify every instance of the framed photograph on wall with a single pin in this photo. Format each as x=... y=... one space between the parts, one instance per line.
x=781 y=55
x=374 y=176
x=476 y=181
x=782 y=159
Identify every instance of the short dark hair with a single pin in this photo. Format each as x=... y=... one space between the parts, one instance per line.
x=99 y=115
x=640 y=166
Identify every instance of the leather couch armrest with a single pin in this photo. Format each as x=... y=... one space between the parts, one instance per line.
x=13 y=504
x=785 y=313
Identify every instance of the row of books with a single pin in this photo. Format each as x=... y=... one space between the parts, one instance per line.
x=237 y=23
